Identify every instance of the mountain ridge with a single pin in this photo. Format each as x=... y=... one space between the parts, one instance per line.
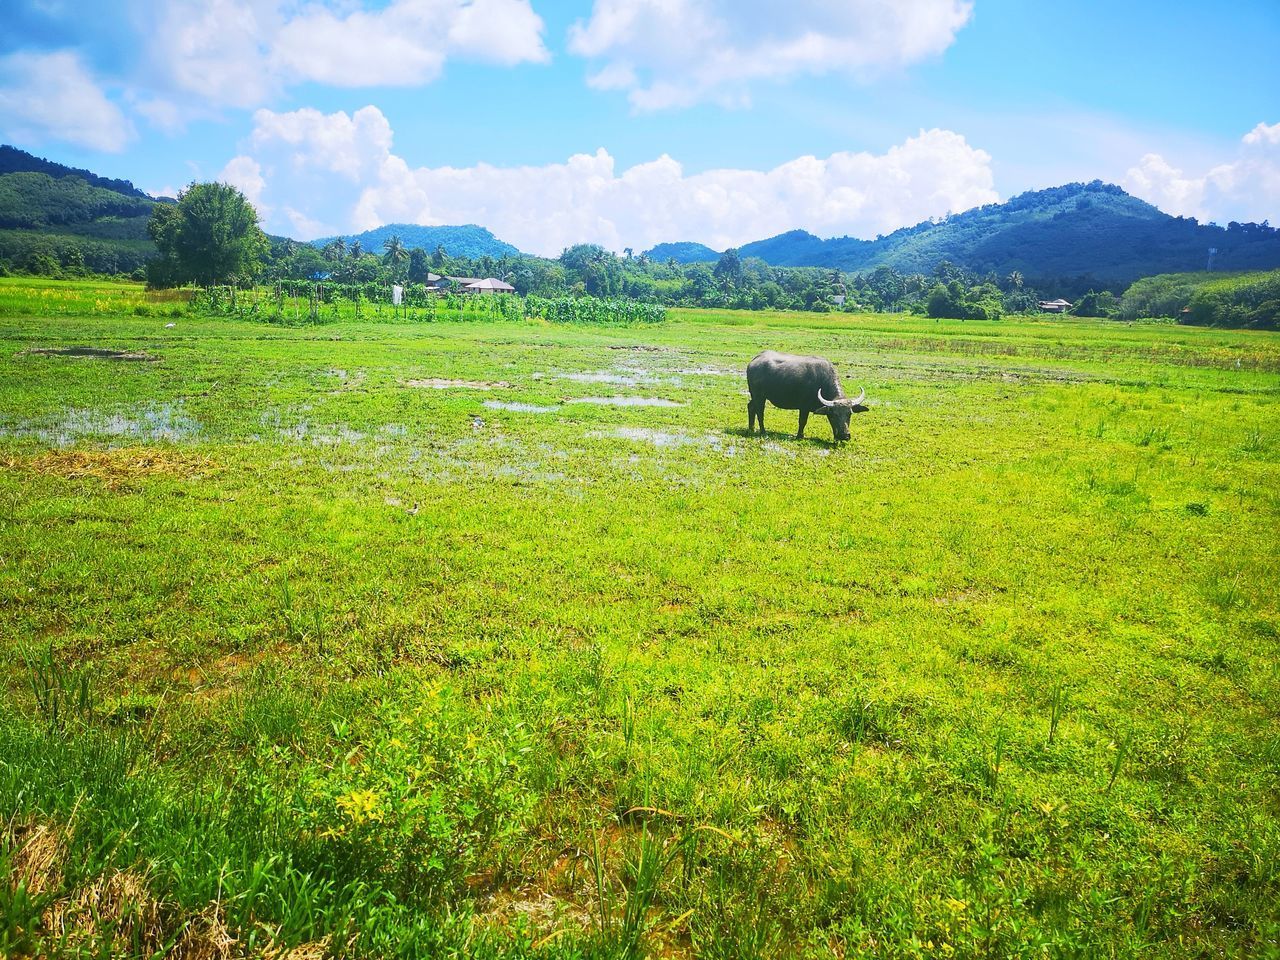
x=1077 y=229
x=1085 y=232
x=464 y=240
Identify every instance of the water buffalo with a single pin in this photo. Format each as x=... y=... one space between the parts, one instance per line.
x=799 y=383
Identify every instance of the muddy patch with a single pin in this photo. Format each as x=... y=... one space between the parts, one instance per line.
x=95 y=353
x=515 y=407
x=438 y=383
x=627 y=401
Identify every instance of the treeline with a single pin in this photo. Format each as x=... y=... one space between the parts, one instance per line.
x=1250 y=300
x=731 y=282
x=304 y=302
x=67 y=255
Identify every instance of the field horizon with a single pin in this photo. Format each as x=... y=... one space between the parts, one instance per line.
x=504 y=638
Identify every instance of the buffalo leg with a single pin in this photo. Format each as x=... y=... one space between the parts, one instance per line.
x=804 y=418
x=755 y=411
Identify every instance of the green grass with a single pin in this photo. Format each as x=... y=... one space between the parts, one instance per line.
x=323 y=657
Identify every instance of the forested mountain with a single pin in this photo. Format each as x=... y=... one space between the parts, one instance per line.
x=465 y=241
x=32 y=201
x=55 y=218
x=13 y=160
x=1092 y=230
x=682 y=253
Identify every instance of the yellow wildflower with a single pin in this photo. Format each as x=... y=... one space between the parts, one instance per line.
x=360 y=806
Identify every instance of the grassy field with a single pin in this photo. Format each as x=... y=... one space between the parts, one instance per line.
x=504 y=639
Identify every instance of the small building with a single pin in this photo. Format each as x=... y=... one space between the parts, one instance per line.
x=488 y=286
x=1055 y=306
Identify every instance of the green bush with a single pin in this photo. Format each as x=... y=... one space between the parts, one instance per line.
x=1207 y=299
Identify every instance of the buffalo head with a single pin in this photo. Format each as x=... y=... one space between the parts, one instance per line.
x=840 y=410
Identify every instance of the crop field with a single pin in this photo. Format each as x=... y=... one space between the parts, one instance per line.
x=505 y=639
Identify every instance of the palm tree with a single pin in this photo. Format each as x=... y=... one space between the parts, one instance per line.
x=357 y=248
x=1014 y=280
x=335 y=249
x=394 y=251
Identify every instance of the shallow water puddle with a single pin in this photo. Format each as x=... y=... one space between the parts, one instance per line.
x=708 y=372
x=322 y=436
x=635 y=379
x=346 y=381
x=437 y=383
x=515 y=407
x=660 y=438
x=164 y=421
x=98 y=353
x=627 y=401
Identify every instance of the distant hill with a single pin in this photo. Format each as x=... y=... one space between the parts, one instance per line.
x=465 y=241
x=684 y=252
x=1070 y=237
x=1081 y=229
x=51 y=212
x=13 y=160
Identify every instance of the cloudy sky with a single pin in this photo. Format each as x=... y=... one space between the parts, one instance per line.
x=630 y=122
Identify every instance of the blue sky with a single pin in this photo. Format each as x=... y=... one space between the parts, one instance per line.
x=627 y=122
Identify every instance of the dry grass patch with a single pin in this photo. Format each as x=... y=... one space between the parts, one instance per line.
x=116 y=914
x=38 y=852
x=114 y=468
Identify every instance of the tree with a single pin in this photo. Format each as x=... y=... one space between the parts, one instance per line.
x=394 y=252
x=357 y=249
x=729 y=267
x=209 y=236
x=336 y=249
x=419 y=265
x=1096 y=303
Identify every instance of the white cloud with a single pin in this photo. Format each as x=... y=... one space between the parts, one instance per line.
x=335 y=142
x=245 y=175
x=163 y=114
x=50 y=96
x=333 y=173
x=241 y=53
x=217 y=49
x=1246 y=188
x=675 y=53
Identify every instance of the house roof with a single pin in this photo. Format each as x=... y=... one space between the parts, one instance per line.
x=489 y=283
x=464 y=281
